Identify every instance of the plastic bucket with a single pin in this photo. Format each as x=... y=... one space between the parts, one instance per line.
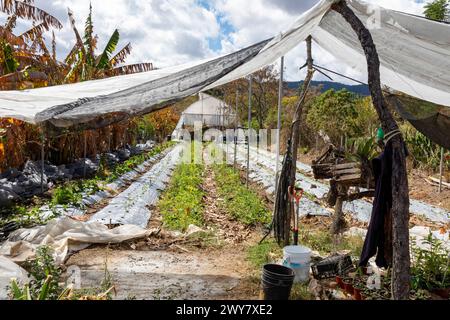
x=298 y=258
x=276 y=282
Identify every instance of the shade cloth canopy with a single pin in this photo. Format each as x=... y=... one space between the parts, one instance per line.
x=414 y=54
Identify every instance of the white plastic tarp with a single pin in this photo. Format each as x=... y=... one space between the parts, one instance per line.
x=414 y=54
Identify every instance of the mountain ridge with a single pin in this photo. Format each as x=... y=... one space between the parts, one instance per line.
x=360 y=89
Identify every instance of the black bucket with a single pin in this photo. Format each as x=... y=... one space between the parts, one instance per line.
x=276 y=282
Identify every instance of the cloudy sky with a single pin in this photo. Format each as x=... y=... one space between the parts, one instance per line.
x=171 y=32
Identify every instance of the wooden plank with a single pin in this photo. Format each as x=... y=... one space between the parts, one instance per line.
x=347 y=171
x=346 y=166
x=354 y=177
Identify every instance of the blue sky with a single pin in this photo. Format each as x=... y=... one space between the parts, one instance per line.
x=172 y=32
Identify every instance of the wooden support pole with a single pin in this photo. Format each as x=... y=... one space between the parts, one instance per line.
x=296 y=135
x=400 y=191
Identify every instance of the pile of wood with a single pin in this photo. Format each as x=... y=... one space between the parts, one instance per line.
x=333 y=165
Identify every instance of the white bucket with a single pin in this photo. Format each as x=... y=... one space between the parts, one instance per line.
x=298 y=258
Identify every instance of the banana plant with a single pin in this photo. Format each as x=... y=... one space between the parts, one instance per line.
x=21 y=52
x=86 y=65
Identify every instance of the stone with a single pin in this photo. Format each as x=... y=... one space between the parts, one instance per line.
x=7 y=197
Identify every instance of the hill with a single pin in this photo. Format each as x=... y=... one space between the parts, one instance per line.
x=362 y=90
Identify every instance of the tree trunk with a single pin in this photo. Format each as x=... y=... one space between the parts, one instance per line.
x=296 y=132
x=339 y=223
x=400 y=190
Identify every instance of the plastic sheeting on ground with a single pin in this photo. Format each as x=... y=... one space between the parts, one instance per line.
x=414 y=54
x=263 y=166
x=65 y=236
x=132 y=205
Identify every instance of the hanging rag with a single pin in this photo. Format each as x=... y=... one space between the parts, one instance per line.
x=375 y=239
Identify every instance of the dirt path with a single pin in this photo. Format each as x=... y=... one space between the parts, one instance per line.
x=168 y=265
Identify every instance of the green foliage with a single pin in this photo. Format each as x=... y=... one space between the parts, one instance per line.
x=181 y=205
x=67 y=195
x=264 y=253
x=323 y=242
x=431 y=268
x=24 y=217
x=45 y=275
x=109 y=49
x=241 y=203
x=437 y=10
x=425 y=153
x=361 y=149
x=341 y=113
x=300 y=291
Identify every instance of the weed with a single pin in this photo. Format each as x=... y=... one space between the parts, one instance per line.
x=431 y=266
x=300 y=291
x=323 y=242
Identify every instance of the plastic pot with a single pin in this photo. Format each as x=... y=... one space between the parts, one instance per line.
x=340 y=282
x=357 y=294
x=348 y=286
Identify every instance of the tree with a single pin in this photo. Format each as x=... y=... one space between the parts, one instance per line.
x=84 y=64
x=437 y=10
x=21 y=62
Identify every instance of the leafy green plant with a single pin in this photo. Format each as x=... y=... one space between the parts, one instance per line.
x=361 y=148
x=45 y=276
x=241 y=203
x=181 y=204
x=431 y=266
x=423 y=151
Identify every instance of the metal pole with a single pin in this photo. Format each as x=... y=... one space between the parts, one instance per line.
x=441 y=170
x=280 y=98
x=250 y=83
x=235 y=129
x=42 y=158
x=85 y=154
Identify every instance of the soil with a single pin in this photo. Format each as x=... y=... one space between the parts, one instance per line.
x=170 y=265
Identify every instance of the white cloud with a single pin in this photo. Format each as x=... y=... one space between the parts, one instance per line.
x=171 y=32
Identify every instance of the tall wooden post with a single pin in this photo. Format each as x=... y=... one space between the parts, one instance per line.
x=441 y=170
x=296 y=135
x=400 y=190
